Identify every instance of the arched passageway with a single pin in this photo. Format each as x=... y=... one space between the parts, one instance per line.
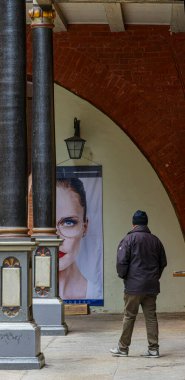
x=136 y=78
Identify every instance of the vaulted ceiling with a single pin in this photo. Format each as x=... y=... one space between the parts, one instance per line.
x=117 y=14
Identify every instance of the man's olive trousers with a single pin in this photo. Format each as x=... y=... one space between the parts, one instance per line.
x=148 y=304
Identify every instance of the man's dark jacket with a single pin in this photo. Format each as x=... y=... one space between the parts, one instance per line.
x=141 y=259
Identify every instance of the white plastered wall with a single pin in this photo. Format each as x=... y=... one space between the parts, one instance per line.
x=129 y=183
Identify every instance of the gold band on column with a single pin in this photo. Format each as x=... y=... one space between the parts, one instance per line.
x=42 y=17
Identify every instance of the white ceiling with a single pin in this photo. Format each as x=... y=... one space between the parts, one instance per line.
x=142 y=13
x=133 y=13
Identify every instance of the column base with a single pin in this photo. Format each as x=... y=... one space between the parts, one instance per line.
x=49 y=315
x=20 y=346
x=54 y=330
x=17 y=363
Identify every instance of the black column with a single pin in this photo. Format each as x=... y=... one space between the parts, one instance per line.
x=13 y=173
x=48 y=315
x=43 y=138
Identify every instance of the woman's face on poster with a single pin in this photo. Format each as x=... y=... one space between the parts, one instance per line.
x=70 y=225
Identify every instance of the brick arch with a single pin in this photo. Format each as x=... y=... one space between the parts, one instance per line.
x=134 y=78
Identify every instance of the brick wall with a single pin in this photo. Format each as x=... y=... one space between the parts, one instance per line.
x=137 y=78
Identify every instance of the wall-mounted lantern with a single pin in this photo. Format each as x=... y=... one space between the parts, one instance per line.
x=75 y=144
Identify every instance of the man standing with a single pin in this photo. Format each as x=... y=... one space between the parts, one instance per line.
x=141 y=259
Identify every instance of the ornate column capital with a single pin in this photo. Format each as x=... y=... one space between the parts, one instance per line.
x=42 y=16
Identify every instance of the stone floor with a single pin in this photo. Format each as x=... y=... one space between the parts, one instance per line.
x=84 y=352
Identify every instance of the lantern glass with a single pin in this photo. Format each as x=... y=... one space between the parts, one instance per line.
x=75 y=147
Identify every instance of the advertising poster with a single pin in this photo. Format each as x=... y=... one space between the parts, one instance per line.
x=79 y=224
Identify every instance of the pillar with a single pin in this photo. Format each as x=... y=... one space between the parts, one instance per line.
x=19 y=335
x=48 y=308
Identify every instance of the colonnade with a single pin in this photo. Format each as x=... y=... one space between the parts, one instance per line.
x=28 y=264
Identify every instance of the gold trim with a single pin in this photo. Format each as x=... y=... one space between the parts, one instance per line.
x=11 y=311
x=11 y=261
x=17 y=245
x=42 y=251
x=43 y=231
x=42 y=291
x=14 y=231
x=42 y=25
x=179 y=274
x=42 y=17
x=48 y=242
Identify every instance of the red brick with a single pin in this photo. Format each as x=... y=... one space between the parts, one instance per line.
x=137 y=78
